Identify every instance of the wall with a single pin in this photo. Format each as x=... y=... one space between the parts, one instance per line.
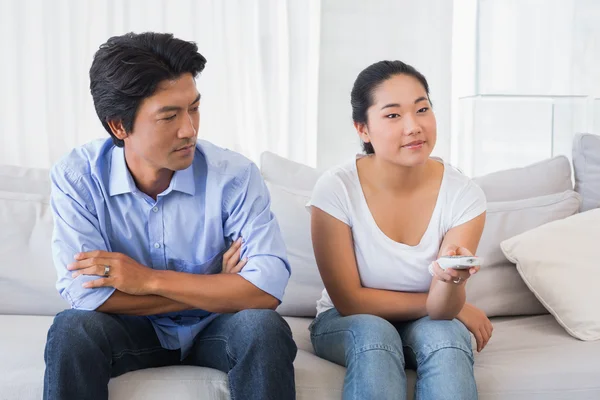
x=357 y=33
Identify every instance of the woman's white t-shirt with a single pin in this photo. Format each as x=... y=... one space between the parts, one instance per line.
x=382 y=262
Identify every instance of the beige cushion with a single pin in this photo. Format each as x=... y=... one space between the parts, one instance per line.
x=559 y=263
x=542 y=178
x=586 y=163
x=498 y=289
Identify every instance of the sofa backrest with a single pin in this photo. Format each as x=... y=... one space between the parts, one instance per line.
x=518 y=200
x=27 y=274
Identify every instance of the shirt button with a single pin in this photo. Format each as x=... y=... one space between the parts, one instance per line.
x=155 y=209
x=157 y=245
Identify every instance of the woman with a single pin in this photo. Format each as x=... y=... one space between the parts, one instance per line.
x=378 y=225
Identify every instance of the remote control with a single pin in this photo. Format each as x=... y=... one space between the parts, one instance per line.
x=459 y=262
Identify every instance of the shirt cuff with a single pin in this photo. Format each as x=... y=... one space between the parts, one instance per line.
x=268 y=273
x=82 y=298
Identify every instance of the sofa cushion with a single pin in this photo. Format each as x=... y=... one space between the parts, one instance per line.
x=498 y=288
x=586 y=164
x=290 y=185
x=23 y=338
x=527 y=358
x=539 y=179
x=27 y=274
x=559 y=263
x=315 y=379
x=285 y=172
x=533 y=358
x=305 y=285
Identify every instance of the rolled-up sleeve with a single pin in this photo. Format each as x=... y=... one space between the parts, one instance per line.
x=76 y=229
x=250 y=216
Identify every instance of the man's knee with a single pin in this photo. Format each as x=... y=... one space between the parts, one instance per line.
x=71 y=321
x=263 y=328
x=261 y=322
x=74 y=329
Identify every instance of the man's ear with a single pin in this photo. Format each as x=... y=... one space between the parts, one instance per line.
x=117 y=129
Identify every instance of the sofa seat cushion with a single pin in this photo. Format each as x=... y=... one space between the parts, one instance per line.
x=22 y=341
x=531 y=358
x=527 y=358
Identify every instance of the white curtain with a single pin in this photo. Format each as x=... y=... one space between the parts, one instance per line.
x=259 y=88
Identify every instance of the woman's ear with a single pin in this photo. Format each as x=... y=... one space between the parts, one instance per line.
x=363 y=132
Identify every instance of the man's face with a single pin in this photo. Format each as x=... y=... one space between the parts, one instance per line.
x=166 y=126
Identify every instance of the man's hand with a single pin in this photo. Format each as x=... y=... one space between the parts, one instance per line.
x=452 y=275
x=125 y=274
x=477 y=323
x=231 y=259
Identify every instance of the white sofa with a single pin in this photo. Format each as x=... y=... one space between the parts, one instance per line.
x=530 y=355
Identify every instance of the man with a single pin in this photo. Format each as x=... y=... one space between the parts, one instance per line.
x=142 y=222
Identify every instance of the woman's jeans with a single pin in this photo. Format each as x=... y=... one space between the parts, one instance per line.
x=376 y=351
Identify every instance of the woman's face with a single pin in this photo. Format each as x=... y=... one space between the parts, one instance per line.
x=401 y=125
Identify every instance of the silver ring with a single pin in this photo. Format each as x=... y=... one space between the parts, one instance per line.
x=107 y=271
x=459 y=280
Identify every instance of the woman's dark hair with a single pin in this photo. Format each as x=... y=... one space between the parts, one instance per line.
x=369 y=80
x=127 y=69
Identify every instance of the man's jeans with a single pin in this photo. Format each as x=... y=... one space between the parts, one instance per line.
x=86 y=348
x=375 y=353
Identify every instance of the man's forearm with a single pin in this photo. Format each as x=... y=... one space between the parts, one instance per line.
x=221 y=293
x=123 y=303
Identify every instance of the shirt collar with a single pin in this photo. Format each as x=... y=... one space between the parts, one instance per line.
x=183 y=181
x=121 y=181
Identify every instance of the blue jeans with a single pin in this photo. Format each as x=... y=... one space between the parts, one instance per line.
x=375 y=353
x=86 y=348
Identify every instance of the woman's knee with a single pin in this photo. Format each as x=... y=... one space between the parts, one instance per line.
x=355 y=334
x=426 y=337
x=372 y=332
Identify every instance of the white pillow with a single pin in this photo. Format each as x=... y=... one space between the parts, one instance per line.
x=498 y=289
x=559 y=263
x=305 y=284
x=290 y=185
x=27 y=274
x=287 y=173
